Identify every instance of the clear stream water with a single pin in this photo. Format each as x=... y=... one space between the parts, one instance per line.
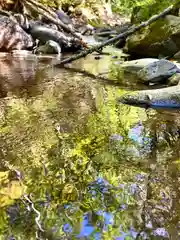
x=77 y=165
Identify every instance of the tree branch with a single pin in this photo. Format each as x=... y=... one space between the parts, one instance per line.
x=114 y=39
x=50 y=15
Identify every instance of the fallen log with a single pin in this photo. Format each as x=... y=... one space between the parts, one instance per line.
x=51 y=16
x=130 y=31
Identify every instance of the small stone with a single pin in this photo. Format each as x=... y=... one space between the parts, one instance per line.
x=174 y=80
x=114 y=56
x=97 y=57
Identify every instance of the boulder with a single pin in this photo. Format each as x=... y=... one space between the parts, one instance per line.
x=63 y=17
x=152 y=70
x=12 y=36
x=160 y=38
x=44 y=34
x=158 y=71
x=136 y=65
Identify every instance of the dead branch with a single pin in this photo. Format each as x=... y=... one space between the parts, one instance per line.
x=45 y=8
x=114 y=39
x=50 y=15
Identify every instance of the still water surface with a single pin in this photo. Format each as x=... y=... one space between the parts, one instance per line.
x=75 y=164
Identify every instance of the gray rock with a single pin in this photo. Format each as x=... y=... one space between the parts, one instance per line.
x=63 y=17
x=157 y=71
x=51 y=47
x=136 y=65
x=22 y=20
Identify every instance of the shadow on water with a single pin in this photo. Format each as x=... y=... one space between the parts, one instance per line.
x=75 y=165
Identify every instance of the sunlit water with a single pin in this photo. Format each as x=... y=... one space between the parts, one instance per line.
x=77 y=165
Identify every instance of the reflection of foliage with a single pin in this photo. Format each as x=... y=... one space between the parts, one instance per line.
x=9 y=190
x=116 y=73
x=77 y=163
x=59 y=167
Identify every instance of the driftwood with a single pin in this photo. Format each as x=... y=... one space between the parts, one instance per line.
x=114 y=39
x=50 y=15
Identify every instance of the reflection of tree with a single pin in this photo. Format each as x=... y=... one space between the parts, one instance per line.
x=21 y=74
x=161 y=200
x=82 y=169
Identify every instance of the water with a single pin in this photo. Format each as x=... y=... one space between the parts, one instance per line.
x=75 y=164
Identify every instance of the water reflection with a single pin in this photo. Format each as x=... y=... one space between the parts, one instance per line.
x=90 y=168
x=19 y=71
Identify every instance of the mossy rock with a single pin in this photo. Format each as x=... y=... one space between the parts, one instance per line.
x=145 y=11
x=160 y=38
x=174 y=80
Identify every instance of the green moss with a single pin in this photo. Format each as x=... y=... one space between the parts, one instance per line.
x=146 y=9
x=155 y=33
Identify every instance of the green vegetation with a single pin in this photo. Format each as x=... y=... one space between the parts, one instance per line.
x=68 y=151
x=148 y=7
x=95 y=10
x=65 y=161
x=70 y=145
